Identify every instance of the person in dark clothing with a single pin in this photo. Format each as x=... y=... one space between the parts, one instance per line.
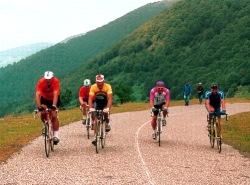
x=186 y=93
x=200 y=91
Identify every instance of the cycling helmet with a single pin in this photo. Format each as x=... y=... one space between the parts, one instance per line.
x=214 y=86
x=160 y=83
x=48 y=75
x=86 y=82
x=99 y=78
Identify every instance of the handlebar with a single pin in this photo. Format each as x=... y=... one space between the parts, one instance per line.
x=221 y=113
x=47 y=110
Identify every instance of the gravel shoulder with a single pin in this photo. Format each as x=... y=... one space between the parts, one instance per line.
x=131 y=156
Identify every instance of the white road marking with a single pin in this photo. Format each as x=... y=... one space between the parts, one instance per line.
x=144 y=165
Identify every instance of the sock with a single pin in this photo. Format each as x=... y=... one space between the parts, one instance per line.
x=56 y=133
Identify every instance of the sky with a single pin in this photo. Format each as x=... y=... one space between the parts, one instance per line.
x=25 y=22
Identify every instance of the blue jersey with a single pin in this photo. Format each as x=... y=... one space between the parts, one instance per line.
x=215 y=99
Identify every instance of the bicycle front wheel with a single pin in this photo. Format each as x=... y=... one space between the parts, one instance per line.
x=212 y=136
x=47 y=140
x=219 y=144
x=159 y=132
x=103 y=135
x=88 y=127
x=51 y=138
x=98 y=131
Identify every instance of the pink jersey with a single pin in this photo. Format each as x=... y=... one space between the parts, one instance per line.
x=159 y=98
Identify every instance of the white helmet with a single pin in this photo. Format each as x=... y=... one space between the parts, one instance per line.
x=48 y=75
x=86 y=82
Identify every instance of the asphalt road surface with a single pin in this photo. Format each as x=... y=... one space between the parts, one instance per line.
x=131 y=156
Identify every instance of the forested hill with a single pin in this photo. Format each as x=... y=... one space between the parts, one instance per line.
x=17 y=81
x=199 y=41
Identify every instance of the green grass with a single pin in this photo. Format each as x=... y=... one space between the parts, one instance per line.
x=17 y=131
x=236 y=132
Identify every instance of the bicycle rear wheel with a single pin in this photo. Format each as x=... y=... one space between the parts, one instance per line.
x=98 y=131
x=47 y=141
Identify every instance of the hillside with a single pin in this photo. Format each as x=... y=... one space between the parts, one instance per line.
x=17 y=81
x=199 y=41
x=16 y=54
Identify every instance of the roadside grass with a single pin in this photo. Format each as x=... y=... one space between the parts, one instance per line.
x=17 y=131
x=236 y=132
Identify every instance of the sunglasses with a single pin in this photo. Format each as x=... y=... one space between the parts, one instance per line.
x=160 y=88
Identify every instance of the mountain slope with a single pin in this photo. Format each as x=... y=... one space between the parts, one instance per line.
x=17 y=82
x=200 y=41
x=16 y=54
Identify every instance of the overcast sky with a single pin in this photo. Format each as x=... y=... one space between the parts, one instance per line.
x=26 y=22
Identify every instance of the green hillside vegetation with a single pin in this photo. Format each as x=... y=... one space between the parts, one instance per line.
x=18 y=81
x=199 y=41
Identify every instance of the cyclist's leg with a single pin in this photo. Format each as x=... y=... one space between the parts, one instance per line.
x=84 y=109
x=209 y=119
x=153 y=122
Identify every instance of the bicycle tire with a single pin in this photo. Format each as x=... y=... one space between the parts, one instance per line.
x=218 y=139
x=97 y=146
x=51 y=138
x=103 y=135
x=212 y=136
x=88 y=127
x=159 y=132
x=47 y=142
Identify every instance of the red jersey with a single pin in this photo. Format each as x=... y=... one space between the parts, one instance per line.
x=47 y=91
x=84 y=92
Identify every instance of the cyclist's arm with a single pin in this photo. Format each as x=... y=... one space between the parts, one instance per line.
x=38 y=97
x=223 y=104
x=208 y=106
x=110 y=100
x=55 y=97
x=90 y=101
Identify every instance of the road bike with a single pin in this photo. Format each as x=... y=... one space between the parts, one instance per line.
x=48 y=131
x=159 y=123
x=100 y=130
x=89 y=121
x=213 y=132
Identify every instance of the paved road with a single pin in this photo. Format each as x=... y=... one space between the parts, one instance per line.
x=131 y=156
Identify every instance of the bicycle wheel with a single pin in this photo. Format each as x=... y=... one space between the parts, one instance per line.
x=47 y=139
x=159 y=132
x=103 y=135
x=98 y=131
x=219 y=144
x=218 y=139
x=51 y=138
x=212 y=136
x=88 y=127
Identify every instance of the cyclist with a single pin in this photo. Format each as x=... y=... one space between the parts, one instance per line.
x=214 y=100
x=83 y=98
x=48 y=96
x=159 y=98
x=102 y=92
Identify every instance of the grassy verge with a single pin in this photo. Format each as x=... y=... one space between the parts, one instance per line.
x=17 y=131
x=236 y=132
